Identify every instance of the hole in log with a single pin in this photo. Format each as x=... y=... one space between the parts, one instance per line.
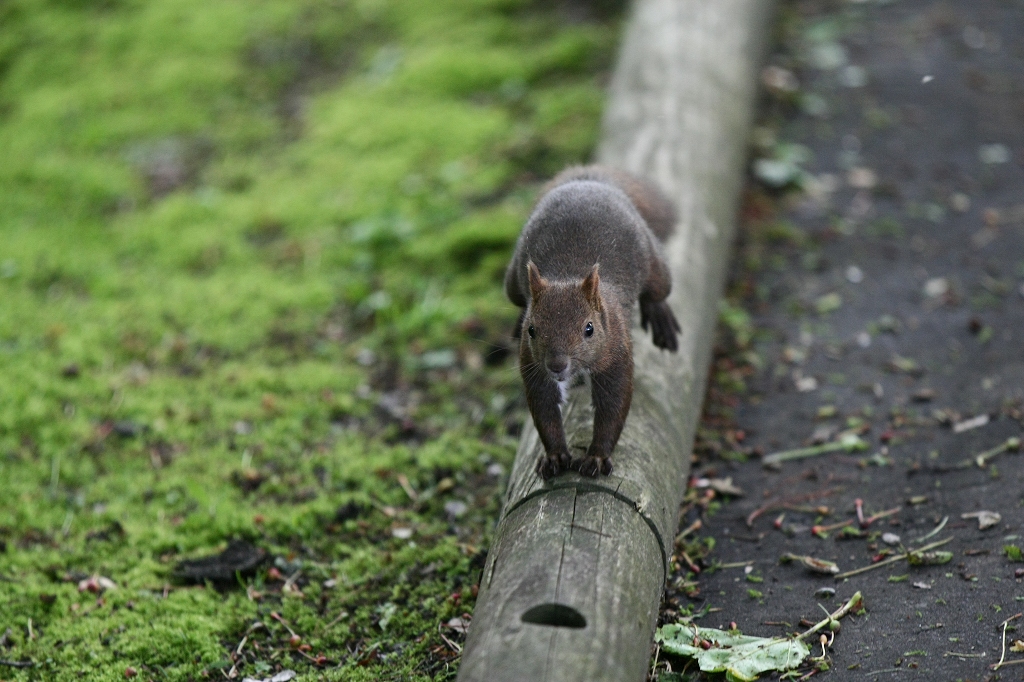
x=558 y=615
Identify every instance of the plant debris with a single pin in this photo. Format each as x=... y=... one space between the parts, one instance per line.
x=986 y=519
x=848 y=442
x=240 y=557
x=741 y=657
x=920 y=557
x=812 y=564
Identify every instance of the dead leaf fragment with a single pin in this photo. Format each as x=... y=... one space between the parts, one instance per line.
x=986 y=519
x=96 y=584
x=812 y=564
x=724 y=486
x=458 y=624
x=972 y=423
x=283 y=676
x=890 y=538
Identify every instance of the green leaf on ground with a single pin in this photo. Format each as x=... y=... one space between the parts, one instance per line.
x=740 y=657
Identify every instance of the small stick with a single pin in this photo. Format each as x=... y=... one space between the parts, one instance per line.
x=1003 y=656
x=848 y=442
x=403 y=481
x=854 y=601
x=689 y=562
x=343 y=614
x=277 y=616
x=787 y=503
x=17 y=664
x=238 y=652
x=1012 y=443
x=890 y=560
x=290 y=583
x=736 y=564
x=452 y=645
x=935 y=531
x=815 y=530
x=695 y=526
x=1013 y=662
x=880 y=515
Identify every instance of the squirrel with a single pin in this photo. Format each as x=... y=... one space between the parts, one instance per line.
x=591 y=248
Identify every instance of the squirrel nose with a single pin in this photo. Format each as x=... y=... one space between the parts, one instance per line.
x=558 y=364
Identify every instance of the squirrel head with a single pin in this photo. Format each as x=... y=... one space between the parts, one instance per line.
x=566 y=325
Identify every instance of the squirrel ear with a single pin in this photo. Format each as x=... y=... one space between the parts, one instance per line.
x=590 y=287
x=537 y=283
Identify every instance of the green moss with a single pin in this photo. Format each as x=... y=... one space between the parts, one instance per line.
x=250 y=274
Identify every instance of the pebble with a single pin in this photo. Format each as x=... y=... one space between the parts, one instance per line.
x=853 y=76
x=890 y=538
x=960 y=202
x=994 y=153
x=455 y=508
x=828 y=56
x=936 y=286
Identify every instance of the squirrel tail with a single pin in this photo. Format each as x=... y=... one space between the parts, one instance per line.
x=652 y=204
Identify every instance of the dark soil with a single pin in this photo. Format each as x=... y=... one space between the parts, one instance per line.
x=889 y=288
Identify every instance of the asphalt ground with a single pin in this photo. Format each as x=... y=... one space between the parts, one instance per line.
x=885 y=288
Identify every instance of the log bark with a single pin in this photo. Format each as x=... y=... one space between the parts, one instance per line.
x=573 y=581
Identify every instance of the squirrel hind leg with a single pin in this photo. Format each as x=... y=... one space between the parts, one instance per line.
x=663 y=324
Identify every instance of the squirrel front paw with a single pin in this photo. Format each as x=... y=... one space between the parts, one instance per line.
x=593 y=465
x=552 y=465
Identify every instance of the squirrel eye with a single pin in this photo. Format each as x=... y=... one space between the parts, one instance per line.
x=531 y=331
x=589 y=329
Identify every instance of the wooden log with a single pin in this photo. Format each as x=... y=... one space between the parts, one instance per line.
x=573 y=581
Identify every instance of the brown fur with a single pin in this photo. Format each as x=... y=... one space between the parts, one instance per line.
x=590 y=250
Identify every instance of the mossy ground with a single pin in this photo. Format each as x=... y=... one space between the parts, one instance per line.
x=250 y=263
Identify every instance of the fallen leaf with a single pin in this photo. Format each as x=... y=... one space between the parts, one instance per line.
x=740 y=657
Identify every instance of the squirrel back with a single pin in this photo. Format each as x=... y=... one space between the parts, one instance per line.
x=656 y=210
x=591 y=215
